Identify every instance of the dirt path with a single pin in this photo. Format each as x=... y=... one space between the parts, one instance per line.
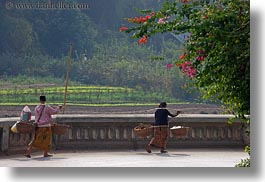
x=14 y=111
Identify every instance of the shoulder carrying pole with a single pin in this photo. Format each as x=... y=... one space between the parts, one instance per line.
x=67 y=75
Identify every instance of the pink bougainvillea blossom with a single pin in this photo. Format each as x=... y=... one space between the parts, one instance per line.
x=187 y=68
x=169 y=65
x=163 y=20
x=185 y=1
x=200 y=58
x=201 y=51
x=191 y=72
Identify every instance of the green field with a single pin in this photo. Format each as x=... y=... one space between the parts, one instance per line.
x=81 y=95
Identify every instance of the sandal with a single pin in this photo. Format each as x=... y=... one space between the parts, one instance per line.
x=27 y=155
x=47 y=155
x=163 y=151
x=148 y=149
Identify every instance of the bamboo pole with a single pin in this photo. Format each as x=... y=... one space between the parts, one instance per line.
x=67 y=75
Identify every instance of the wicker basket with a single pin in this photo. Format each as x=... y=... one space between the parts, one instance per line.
x=24 y=127
x=143 y=130
x=180 y=132
x=59 y=129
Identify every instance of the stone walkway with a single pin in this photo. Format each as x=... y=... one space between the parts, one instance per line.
x=129 y=158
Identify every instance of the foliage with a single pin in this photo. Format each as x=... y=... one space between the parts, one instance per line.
x=35 y=43
x=117 y=65
x=50 y=31
x=16 y=35
x=216 y=53
x=244 y=163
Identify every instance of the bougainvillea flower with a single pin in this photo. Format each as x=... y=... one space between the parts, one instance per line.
x=143 y=40
x=169 y=65
x=147 y=17
x=123 y=29
x=200 y=58
x=182 y=56
x=178 y=64
x=191 y=72
x=187 y=68
x=185 y=1
x=160 y=21
x=163 y=20
x=141 y=19
x=201 y=51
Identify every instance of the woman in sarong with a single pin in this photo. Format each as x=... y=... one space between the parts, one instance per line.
x=43 y=134
x=161 y=129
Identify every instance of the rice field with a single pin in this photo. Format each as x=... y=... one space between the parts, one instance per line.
x=81 y=95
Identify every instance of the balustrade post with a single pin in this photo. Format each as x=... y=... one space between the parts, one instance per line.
x=5 y=138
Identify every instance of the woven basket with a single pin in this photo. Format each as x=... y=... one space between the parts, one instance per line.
x=180 y=131
x=143 y=130
x=24 y=127
x=59 y=129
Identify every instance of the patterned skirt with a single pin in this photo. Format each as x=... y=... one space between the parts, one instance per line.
x=43 y=138
x=160 y=137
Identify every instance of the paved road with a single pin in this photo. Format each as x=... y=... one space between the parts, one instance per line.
x=130 y=158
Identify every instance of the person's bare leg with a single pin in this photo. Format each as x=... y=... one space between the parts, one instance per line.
x=28 y=151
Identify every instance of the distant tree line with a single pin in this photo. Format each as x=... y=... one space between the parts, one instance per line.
x=36 y=43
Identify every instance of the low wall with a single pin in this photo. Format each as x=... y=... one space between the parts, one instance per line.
x=115 y=131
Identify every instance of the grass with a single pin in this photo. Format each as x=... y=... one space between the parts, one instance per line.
x=23 y=90
x=82 y=95
x=90 y=105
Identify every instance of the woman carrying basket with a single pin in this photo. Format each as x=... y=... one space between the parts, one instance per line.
x=43 y=132
x=161 y=128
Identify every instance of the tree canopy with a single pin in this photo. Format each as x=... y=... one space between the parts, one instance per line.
x=216 y=54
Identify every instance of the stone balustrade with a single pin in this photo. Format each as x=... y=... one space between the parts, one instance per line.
x=115 y=131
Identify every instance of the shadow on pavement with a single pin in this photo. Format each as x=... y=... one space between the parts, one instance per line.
x=39 y=159
x=172 y=155
x=164 y=154
x=48 y=158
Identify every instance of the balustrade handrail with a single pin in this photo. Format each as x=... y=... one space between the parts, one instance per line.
x=111 y=116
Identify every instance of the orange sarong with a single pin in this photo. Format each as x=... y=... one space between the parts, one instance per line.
x=160 y=137
x=43 y=138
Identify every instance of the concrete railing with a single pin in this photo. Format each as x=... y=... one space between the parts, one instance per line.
x=115 y=131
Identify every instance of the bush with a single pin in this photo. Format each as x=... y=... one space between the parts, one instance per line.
x=244 y=163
